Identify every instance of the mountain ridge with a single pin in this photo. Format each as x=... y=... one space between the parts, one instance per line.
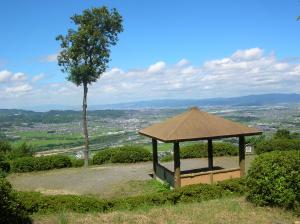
x=248 y=100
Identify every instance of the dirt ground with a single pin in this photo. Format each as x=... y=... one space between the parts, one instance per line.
x=103 y=180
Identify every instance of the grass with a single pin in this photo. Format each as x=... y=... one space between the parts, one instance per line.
x=136 y=187
x=226 y=210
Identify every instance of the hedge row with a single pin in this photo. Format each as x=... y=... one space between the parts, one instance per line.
x=199 y=150
x=277 y=145
x=124 y=154
x=36 y=202
x=274 y=179
x=28 y=164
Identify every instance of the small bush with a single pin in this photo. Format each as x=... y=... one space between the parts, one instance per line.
x=277 y=145
x=11 y=208
x=274 y=179
x=237 y=185
x=167 y=158
x=125 y=154
x=77 y=162
x=36 y=202
x=27 y=164
x=199 y=150
x=131 y=154
x=104 y=156
x=5 y=147
x=80 y=162
x=21 y=150
x=4 y=164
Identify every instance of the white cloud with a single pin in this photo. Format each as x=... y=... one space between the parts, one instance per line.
x=248 y=54
x=19 y=89
x=19 y=77
x=38 y=77
x=157 y=67
x=49 y=58
x=5 y=75
x=182 y=62
x=249 y=71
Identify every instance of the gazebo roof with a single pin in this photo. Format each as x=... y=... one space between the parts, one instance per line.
x=196 y=125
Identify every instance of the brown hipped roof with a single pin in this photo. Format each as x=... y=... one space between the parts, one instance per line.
x=196 y=125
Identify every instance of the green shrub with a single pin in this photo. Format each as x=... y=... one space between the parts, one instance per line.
x=237 y=185
x=4 y=164
x=167 y=158
x=5 y=147
x=77 y=162
x=104 y=156
x=125 y=154
x=199 y=150
x=282 y=134
x=131 y=154
x=274 y=179
x=27 y=164
x=37 y=202
x=277 y=145
x=11 y=208
x=21 y=150
x=24 y=164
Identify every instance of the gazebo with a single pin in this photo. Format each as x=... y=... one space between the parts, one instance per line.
x=196 y=125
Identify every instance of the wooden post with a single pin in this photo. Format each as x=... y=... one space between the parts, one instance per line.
x=242 y=155
x=177 y=179
x=210 y=154
x=154 y=156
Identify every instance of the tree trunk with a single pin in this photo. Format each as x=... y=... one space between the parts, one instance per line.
x=85 y=129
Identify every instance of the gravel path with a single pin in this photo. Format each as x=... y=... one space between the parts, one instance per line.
x=100 y=179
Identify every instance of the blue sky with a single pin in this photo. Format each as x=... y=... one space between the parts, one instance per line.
x=258 y=36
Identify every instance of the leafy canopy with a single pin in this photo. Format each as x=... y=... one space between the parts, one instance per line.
x=85 y=50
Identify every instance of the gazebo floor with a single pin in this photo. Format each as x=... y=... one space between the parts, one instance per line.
x=191 y=175
x=205 y=176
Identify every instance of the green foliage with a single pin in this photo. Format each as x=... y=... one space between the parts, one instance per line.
x=11 y=208
x=27 y=164
x=274 y=179
x=77 y=162
x=282 y=134
x=85 y=51
x=237 y=185
x=125 y=154
x=4 y=164
x=254 y=140
x=277 y=145
x=21 y=150
x=199 y=150
x=24 y=164
x=131 y=154
x=36 y=202
x=5 y=147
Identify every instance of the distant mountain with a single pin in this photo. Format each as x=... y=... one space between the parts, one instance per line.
x=250 y=100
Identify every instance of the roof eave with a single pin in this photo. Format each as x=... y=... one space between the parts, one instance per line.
x=202 y=138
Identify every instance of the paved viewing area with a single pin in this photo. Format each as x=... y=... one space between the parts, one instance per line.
x=102 y=180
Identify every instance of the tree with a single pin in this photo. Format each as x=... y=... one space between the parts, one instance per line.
x=85 y=52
